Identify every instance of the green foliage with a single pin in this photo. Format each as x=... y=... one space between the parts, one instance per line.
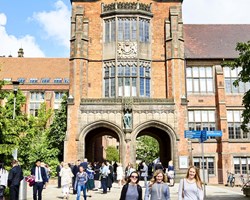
x=112 y=154
x=147 y=149
x=58 y=129
x=244 y=76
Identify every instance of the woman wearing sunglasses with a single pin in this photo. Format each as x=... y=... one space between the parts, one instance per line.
x=132 y=190
x=158 y=188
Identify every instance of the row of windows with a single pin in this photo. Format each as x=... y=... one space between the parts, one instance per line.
x=205 y=120
x=209 y=164
x=200 y=80
x=241 y=164
x=126 y=29
x=127 y=79
x=42 y=80
x=37 y=98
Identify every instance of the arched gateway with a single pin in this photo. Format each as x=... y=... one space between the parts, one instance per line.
x=91 y=145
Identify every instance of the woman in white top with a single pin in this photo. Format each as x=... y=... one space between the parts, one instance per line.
x=66 y=179
x=190 y=188
x=119 y=172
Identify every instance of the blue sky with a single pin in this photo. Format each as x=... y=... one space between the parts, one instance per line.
x=42 y=27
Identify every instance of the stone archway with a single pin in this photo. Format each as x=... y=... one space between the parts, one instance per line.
x=89 y=144
x=164 y=134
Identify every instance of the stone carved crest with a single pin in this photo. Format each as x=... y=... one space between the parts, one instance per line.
x=127 y=49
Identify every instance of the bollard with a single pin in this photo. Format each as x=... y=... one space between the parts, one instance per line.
x=23 y=190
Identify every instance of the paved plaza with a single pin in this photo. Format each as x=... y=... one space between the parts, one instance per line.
x=216 y=192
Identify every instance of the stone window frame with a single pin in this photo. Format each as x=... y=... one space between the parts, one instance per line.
x=21 y=80
x=234 y=121
x=238 y=164
x=142 y=31
x=230 y=75
x=35 y=103
x=202 y=120
x=207 y=159
x=121 y=72
x=33 y=80
x=45 y=80
x=200 y=81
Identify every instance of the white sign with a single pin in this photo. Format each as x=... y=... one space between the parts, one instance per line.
x=183 y=162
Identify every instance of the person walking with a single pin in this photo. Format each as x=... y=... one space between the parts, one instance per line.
x=66 y=179
x=171 y=173
x=75 y=170
x=3 y=180
x=80 y=183
x=110 y=176
x=158 y=188
x=104 y=172
x=119 y=172
x=132 y=190
x=190 y=187
x=40 y=179
x=144 y=173
x=58 y=169
x=91 y=181
x=14 y=178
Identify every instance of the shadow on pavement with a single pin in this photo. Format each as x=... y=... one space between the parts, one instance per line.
x=223 y=197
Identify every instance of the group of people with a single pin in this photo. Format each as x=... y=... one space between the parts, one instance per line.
x=190 y=187
x=13 y=178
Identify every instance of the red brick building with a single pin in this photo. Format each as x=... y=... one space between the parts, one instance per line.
x=135 y=69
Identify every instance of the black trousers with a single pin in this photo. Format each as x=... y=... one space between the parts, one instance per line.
x=59 y=182
x=37 y=190
x=14 y=192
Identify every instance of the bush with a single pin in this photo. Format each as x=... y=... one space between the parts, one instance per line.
x=112 y=154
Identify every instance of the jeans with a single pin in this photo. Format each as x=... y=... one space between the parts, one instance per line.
x=145 y=181
x=104 y=182
x=79 y=189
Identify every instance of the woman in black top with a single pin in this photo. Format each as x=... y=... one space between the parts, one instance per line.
x=132 y=190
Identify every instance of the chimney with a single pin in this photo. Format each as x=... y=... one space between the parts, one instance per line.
x=20 y=52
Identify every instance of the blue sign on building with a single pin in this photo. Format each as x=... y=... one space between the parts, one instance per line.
x=192 y=134
x=214 y=133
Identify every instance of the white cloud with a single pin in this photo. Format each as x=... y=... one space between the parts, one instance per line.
x=216 y=12
x=9 y=44
x=56 y=23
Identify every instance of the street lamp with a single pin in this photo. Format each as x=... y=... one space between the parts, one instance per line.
x=15 y=89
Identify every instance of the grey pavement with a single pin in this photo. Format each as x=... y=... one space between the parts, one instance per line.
x=216 y=192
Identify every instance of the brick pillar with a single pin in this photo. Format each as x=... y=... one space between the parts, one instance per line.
x=222 y=143
x=176 y=83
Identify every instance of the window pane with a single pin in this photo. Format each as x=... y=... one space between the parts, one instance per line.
x=204 y=116
x=197 y=116
x=120 y=70
x=228 y=85
x=202 y=72
x=127 y=70
x=134 y=30
x=141 y=86
x=227 y=72
x=106 y=87
x=107 y=31
x=190 y=116
x=147 y=87
x=189 y=72
x=234 y=73
x=127 y=87
x=189 y=85
x=134 y=87
x=195 y=72
x=203 y=85
x=210 y=87
x=146 y=31
x=209 y=72
x=230 y=116
x=211 y=116
x=120 y=29
x=120 y=85
x=113 y=31
x=127 y=30
x=196 y=85
x=112 y=87
x=134 y=70
x=237 y=116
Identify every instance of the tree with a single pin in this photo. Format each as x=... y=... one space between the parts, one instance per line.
x=58 y=128
x=147 y=149
x=244 y=76
x=112 y=154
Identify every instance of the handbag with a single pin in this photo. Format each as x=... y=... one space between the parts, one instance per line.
x=31 y=180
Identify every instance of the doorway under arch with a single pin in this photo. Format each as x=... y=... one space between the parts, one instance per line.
x=165 y=148
x=97 y=140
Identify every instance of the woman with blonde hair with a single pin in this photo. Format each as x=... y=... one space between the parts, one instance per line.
x=66 y=178
x=158 y=188
x=190 y=187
